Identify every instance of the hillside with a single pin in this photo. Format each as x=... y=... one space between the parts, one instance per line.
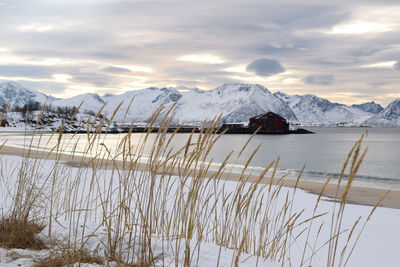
x=236 y=102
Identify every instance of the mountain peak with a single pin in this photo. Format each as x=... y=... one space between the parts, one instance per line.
x=371 y=107
x=241 y=87
x=389 y=117
x=10 y=84
x=18 y=95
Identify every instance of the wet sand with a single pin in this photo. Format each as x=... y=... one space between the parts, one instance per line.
x=357 y=195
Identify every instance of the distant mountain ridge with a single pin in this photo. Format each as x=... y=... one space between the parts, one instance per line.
x=19 y=95
x=371 y=107
x=389 y=117
x=236 y=101
x=313 y=110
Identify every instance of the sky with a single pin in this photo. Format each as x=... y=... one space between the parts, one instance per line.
x=347 y=51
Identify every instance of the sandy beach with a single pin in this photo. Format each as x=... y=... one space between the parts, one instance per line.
x=357 y=195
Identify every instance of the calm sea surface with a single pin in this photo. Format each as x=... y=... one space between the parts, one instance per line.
x=323 y=153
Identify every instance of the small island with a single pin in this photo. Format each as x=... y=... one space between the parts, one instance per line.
x=268 y=123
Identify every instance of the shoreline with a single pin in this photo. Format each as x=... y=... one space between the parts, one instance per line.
x=357 y=194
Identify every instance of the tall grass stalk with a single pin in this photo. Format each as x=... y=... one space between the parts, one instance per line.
x=133 y=196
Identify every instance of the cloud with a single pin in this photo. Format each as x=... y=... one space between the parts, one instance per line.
x=327 y=79
x=118 y=70
x=35 y=27
x=265 y=67
x=383 y=64
x=109 y=43
x=397 y=65
x=207 y=59
x=108 y=55
x=25 y=71
x=93 y=78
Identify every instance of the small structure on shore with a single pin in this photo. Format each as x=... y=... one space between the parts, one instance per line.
x=238 y=128
x=269 y=123
x=4 y=123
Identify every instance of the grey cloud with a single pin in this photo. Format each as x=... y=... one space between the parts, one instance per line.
x=108 y=55
x=43 y=53
x=112 y=69
x=366 y=51
x=397 y=65
x=378 y=84
x=265 y=67
x=94 y=78
x=25 y=71
x=320 y=79
x=94 y=34
x=267 y=49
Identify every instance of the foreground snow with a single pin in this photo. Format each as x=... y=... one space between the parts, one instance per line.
x=378 y=245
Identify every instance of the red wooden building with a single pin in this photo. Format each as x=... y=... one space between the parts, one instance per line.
x=269 y=123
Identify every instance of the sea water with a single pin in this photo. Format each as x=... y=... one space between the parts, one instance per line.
x=323 y=153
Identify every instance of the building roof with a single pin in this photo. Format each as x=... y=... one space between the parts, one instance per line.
x=266 y=116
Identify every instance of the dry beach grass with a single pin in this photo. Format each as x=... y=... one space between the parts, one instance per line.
x=168 y=198
x=357 y=194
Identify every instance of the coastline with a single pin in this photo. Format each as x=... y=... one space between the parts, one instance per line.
x=357 y=194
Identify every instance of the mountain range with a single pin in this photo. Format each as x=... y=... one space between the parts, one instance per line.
x=236 y=101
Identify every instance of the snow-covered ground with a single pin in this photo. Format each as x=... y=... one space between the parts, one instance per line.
x=378 y=245
x=51 y=121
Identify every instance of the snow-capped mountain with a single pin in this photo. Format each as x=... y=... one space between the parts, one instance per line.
x=312 y=110
x=139 y=105
x=19 y=95
x=237 y=102
x=91 y=102
x=370 y=107
x=389 y=117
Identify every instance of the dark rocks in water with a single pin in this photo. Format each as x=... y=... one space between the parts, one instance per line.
x=235 y=129
x=241 y=129
x=300 y=131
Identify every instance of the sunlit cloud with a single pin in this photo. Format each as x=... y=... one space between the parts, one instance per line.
x=248 y=78
x=63 y=78
x=384 y=64
x=395 y=95
x=36 y=61
x=126 y=45
x=21 y=78
x=207 y=59
x=361 y=27
x=78 y=89
x=239 y=69
x=291 y=80
x=35 y=27
x=370 y=20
